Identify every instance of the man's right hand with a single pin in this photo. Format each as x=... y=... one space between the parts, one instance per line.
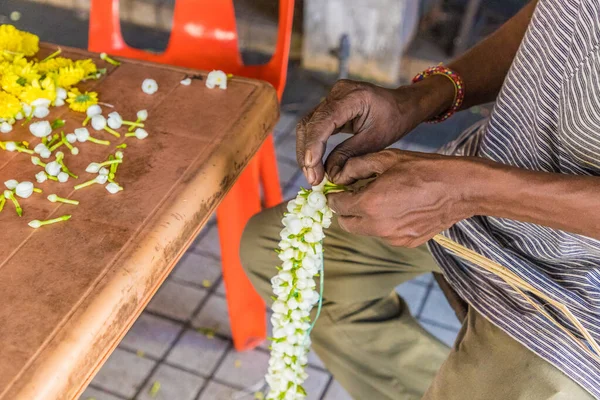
x=377 y=117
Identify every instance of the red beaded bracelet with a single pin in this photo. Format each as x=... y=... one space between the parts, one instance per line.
x=459 y=89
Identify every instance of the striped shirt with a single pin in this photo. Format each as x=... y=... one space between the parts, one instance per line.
x=546 y=118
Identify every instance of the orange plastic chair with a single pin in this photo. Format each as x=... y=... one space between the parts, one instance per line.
x=204 y=36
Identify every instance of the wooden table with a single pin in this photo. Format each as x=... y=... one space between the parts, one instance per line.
x=69 y=292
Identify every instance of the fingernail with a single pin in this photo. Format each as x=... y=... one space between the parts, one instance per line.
x=311 y=176
x=334 y=173
x=308 y=158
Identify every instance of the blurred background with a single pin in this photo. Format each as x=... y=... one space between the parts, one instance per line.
x=182 y=340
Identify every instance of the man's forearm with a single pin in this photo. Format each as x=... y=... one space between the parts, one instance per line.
x=559 y=201
x=482 y=68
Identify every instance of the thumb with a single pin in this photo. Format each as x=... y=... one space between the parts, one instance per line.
x=365 y=167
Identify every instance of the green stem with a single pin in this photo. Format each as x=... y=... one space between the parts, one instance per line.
x=56 y=145
x=17 y=205
x=86 y=120
x=98 y=141
x=110 y=162
x=51 y=56
x=2 y=202
x=112 y=131
x=109 y=60
x=132 y=125
x=85 y=184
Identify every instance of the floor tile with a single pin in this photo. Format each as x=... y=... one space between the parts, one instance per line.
x=123 y=373
x=176 y=301
x=175 y=384
x=314 y=360
x=437 y=309
x=208 y=242
x=197 y=268
x=448 y=336
x=196 y=352
x=217 y=391
x=151 y=335
x=221 y=288
x=285 y=148
x=213 y=315
x=95 y=394
x=316 y=383
x=336 y=392
x=287 y=123
x=413 y=294
x=243 y=370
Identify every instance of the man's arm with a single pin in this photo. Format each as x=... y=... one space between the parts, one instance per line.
x=379 y=117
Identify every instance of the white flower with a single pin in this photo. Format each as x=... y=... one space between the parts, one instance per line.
x=82 y=134
x=62 y=177
x=93 y=168
x=93 y=110
x=216 y=78
x=42 y=150
x=103 y=171
x=149 y=86
x=72 y=138
x=11 y=184
x=10 y=146
x=53 y=168
x=27 y=109
x=41 y=102
x=19 y=116
x=24 y=189
x=41 y=112
x=40 y=129
x=98 y=122
x=59 y=102
x=61 y=93
x=101 y=179
x=114 y=120
x=5 y=127
x=293 y=223
x=35 y=223
x=186 y=82
x=308 y=211
x=142 y=115
x=317 y=200
x=113 y=188
x=320 y=187
x=41 y=177
x=141 y=134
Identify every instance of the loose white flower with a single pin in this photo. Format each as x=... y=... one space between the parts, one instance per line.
x=103 y=171
x=141 y=134
x=41 y=112
x=5 y=127
x=41 y=102
x=72 y=138
x=93 y=168
x=41 y=177
x=11 y=184
x=24 y=189
x=81 y=134
x=186 y=82
x=149 y=86
x=216 y=78
x=114 y=120
x=53 y=168
x=40 y=129
x=93 y=110
x=98 y=122
x=10 y=146
x=142 y=115
x=113 y=188
x=62 y=177
x=27 y=110
x=61 y=93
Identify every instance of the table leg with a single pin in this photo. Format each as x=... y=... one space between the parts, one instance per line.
x=247 y=312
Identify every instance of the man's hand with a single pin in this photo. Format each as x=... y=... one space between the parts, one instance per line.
x=414 y=196
x=376 y=116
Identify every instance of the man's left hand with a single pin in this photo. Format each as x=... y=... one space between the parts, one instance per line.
x=414 y=196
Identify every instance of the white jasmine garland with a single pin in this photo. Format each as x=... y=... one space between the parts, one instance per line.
x=294 y=287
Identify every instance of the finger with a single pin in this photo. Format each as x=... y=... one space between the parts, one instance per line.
x=354 y=146
x=351 y=224
x=344 y=203
x=366 y=166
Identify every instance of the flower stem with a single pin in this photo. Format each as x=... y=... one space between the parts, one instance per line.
x=36 y=224
x=17 y=205
x=52 y=142
x=56 y=145
x=110 y=162
x=2 y=202
x=122 y=146
x=28 y=119
x=112 y=131
x=98 y=141
x=85 y=184
x=133 y=124
x=37 y=190
x=63 y=200
x=24 y=150
x=132 y=127
x=86 y=120
x=105 y=57
x=51 y=56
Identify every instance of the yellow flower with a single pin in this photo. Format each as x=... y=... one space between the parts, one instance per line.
x=88 y=66
x=14 y=40
x=13 y=83
x=54 y=64
x=39 y=90
x=28 y=71
x=69 y=76
x=81 y=101
x=9 y=105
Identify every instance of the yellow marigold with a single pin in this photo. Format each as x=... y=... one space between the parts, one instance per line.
x=12 y=83
x=39 y=90
x=14 y=40
x=54 y=64
x=88 y=66
x=81 y=101
x=9 y=105
x=69 y=76
x=28 y=71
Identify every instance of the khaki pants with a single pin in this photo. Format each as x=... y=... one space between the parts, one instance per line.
x=370 y=342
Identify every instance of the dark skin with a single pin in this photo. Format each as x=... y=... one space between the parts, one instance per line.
x=417 y=195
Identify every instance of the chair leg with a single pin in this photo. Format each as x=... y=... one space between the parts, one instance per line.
x=247 y=312
x=269 y=176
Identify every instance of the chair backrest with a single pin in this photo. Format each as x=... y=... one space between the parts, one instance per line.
x=204 y=36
